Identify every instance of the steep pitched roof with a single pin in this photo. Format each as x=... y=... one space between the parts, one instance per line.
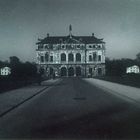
x=70 y=39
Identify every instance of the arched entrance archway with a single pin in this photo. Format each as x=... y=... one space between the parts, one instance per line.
x=99 y=71
x=71 y=71
x=78 y=71
x=63 y=71
x=41 y=71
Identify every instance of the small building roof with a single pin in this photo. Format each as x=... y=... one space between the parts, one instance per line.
x=6 y=67
x=133 y=66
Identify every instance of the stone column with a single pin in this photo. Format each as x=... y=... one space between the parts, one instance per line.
x=74 y=55
x=66 y=57
x=74 y=71
x=67 y=71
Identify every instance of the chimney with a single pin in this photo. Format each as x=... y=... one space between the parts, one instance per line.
x=93 y=34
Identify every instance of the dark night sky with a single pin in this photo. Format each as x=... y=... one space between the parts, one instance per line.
x=23 y=21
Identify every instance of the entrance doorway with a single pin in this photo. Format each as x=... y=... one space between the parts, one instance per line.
x=90 y=72
x=63 y=71
x=71 y=71
x=51 y=71
x=99 y=71
x=78 y=71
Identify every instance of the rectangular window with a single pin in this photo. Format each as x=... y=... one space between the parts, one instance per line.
x=94 y=56
x=47 y=57
x=46 y=46
x=90 y=70
x=51 y=47
x=90 y=58
x=40 y=46
x=42 y=59
x=99 y=57
x=51 y=58
x=78 y=46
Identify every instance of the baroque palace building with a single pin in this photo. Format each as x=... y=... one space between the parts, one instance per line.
x=71 y=55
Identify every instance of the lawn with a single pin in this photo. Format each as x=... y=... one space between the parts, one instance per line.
x=9 y=83
x=130 y=79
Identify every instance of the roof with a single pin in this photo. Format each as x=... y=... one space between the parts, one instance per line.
x=133 y=66
x=6 y=68
x=70 y=39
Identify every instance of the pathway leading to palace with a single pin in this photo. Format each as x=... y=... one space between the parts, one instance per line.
x=73 y=108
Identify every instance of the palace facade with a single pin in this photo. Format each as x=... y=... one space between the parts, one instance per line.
x=71 y=55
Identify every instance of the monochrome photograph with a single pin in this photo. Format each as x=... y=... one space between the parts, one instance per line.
x=70 y=69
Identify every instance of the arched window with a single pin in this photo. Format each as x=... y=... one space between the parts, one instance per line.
x=63 y=57
x=63 y=47
x=46 y=57
x=78 y=57
x=70 y=57
x=90 y=46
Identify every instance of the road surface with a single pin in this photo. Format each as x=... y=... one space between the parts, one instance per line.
x=73 y=109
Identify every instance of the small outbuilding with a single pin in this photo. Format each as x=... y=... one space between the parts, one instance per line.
x=5 y=71
x=133 y=69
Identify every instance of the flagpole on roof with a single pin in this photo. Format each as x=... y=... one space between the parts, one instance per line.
x=70 y=30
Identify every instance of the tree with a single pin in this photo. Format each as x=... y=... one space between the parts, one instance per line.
x=138 y=57
x=117 y=67
x=1 y=64
x=30 y=69
x=14 y=60
x=16 y=66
